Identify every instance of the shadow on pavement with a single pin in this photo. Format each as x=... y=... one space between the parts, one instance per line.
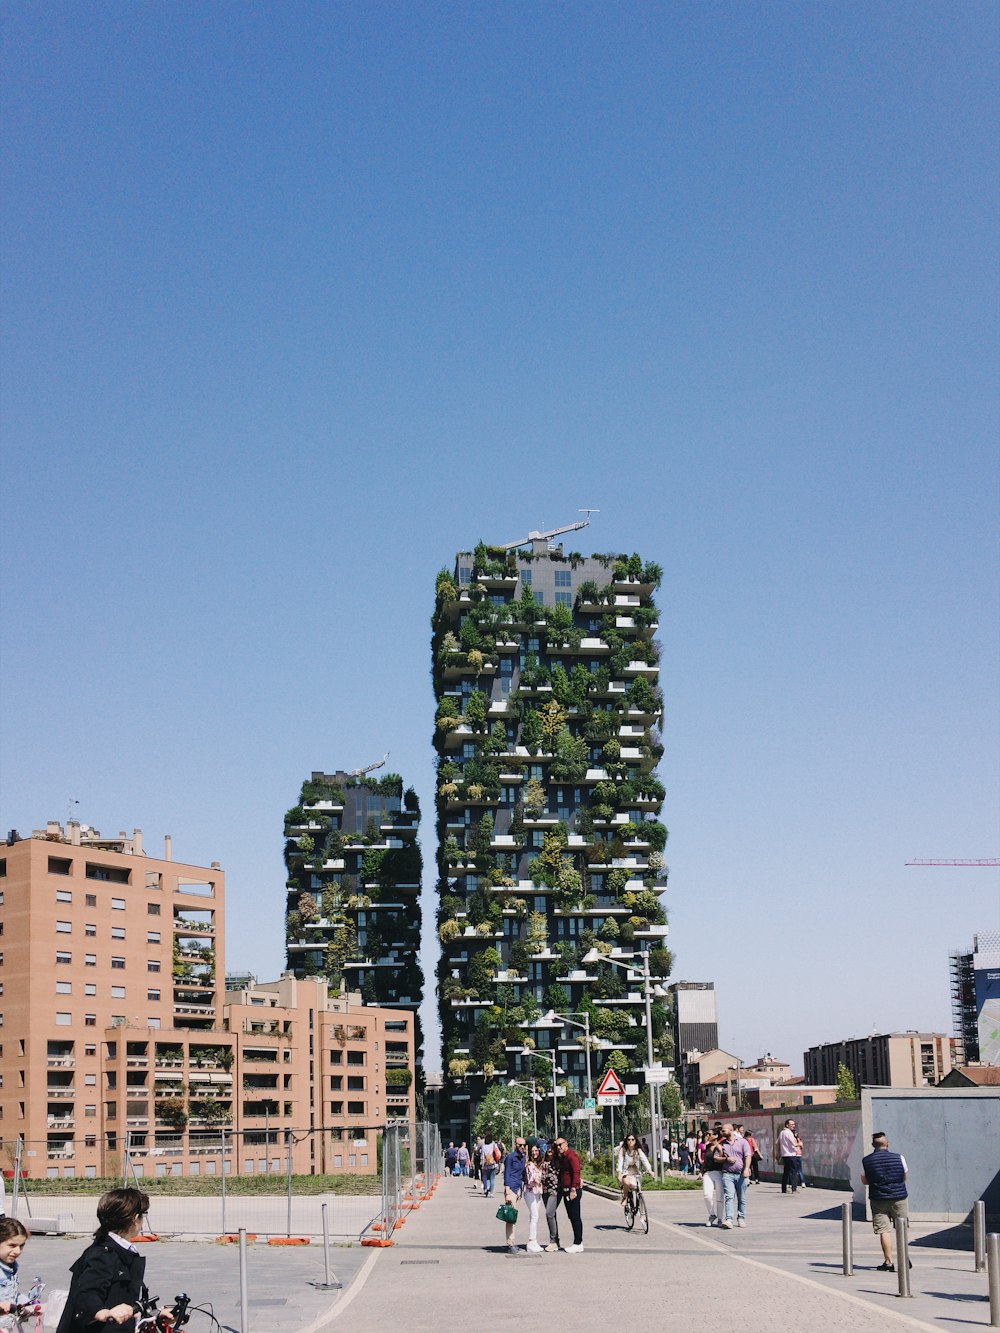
x=949 y=1238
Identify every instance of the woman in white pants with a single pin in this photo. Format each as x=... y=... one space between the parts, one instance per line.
x=533 y=1170
x=711 y=1178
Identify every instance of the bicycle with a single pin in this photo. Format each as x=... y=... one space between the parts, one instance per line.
x=151 y=1319
x=635 y=1210
x=27 y=1307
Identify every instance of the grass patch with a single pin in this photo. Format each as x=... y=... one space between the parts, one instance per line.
x=211 y=1186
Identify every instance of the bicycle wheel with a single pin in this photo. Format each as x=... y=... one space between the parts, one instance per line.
x=630 y=1211
x=643 y=1215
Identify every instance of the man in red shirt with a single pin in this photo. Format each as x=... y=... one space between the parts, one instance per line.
x=570 y=1189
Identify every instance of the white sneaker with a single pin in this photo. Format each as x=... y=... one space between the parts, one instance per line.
x=573 y=1249
x=712 y=1221
x=551 y=1248
x=741 y=1221
x=726 y=1226
x=514 y=1249
x=533 y=1247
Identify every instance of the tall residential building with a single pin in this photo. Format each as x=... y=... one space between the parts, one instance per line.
x=694 y=1016
x=549 y=848
x=891 y=1060
x=354 y=870
x=975 y=998
x=113 y=1021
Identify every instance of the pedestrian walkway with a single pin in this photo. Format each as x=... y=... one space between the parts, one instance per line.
x=449 y=1270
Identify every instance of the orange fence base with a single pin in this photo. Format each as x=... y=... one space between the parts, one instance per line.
x=288 y=1240
x=232 y=1238
x=376 y=1242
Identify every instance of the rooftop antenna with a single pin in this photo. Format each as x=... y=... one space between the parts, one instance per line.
x=69 y=809
x=552 y=532
x=360 y=772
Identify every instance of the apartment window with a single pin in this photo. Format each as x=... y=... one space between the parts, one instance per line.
x=540 y=599
x=89 y=1050
x=152 y=1022
x=355 y=1108
x=64 y=927
x=336 y=1057
x=64 y=988
x=564 y=599
x=564 y=578
x=111 y=874
x=90 y=959
x=465 y=573
x=63 y=896
x=152 y=909
x=63 y=1020
x=90 y=899
x=118 y=904
x=152 y=995
x=118 y=992
x=355 y=1057
x=336 y=1108
x=90 y=1111
x=90 y=1080
x=117 y=932
x=59 y=865
x=90 y=928
x=63 y=957
x=526 y=577
x=355 y=1083
x=3 y=872
x=336 y=1082
x=118 y=962
x=153 y=965
x=89 y=988
x=152 y=937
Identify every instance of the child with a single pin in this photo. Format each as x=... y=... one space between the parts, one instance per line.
x=107 y=1286
x=13 y=1238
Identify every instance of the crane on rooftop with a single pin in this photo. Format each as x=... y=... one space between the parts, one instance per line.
x=957 y=861
x=360 y=772
x=553 y=532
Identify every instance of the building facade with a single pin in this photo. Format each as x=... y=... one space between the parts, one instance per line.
x=694 y=1016
x=892 y=1060
x=115 y=1029
x=550 y=852
x=975 y=998
x=353 y=888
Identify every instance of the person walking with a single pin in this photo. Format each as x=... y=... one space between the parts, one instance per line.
x=534 y=1173
x=691 y=1148
x=885 y=1173
x=550 y=1195
x=477 y=1158
x=513 y=1184
x=463 y=1159
x=712 y=1166
x=789 y=1154
x=450 y=1159
x=491 y=1156
x=570 y=1189
x=754 y=1154
x=735 y=1175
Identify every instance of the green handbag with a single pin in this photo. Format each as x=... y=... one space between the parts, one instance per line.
x=507 y=1213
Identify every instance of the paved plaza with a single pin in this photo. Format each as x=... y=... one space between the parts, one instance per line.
x=450 y=1270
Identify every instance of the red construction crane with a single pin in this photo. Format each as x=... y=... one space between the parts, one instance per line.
x=982 y=861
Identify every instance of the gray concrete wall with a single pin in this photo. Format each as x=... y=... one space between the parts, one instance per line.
x=950 y=1138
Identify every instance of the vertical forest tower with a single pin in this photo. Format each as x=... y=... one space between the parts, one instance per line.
x=354 y=867
x=550 y=850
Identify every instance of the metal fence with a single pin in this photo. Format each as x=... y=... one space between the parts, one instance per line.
x=378 y=1171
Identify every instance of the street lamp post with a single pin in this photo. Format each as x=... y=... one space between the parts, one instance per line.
x=590 y=1081
x=595 y=956
x=513 y=1083
x=551 y=1055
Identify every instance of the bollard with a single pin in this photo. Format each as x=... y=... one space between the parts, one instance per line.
x=902 y=1258
x=244 y=1303
x=329 y=1283
x=993 y=1267
x=848 y=1238
x=979 y=1234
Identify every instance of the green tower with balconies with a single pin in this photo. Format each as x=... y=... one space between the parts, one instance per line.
x=550 y=849
x=354 y=869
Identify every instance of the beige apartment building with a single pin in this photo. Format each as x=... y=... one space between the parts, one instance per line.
x=116 y=1031
x=890 y=1060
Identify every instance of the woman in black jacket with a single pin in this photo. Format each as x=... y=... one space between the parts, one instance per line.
x=107 y=1285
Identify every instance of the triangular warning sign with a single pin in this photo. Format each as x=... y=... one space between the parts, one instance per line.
x=611 y=1083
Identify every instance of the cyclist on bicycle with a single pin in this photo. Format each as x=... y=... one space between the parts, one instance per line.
x=630 y=1164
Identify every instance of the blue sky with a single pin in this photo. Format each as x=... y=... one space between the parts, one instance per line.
x=299 y=300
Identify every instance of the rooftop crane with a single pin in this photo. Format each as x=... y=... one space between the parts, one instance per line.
x=937 y=861
x=360 y=772
x=553 y=532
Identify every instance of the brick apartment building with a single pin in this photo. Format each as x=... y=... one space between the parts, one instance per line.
x=890 y=1060
x=114 y=1021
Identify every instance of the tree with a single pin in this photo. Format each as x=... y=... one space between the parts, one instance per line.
x=671 y=1105
x=500 y=1108
x=846 y=1090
